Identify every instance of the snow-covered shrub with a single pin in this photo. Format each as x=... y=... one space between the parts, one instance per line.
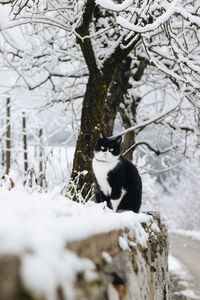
x=148 y=186
x=182 y=206
x=148 y=193
x=72 y=191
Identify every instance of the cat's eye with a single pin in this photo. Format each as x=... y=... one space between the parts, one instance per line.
x=111 y=149
x=102 y=147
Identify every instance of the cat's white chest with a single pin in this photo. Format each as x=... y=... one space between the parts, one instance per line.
x=101 y=170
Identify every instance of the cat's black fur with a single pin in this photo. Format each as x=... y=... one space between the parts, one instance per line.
x=124 y=176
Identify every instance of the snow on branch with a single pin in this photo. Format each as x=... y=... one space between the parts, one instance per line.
x=123 y=22
x=82 y=31
x=6 y=1
x=150 y=147
x=108 y=4
x=35 y=20
x=188 y=16
x=149 y=27
x=154 y=119
x=174 y=8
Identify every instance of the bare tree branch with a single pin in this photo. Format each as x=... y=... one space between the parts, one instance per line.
x=183 y=128
x=156 y=151
x=146 y=123
x=82 y=31
x=6 y=1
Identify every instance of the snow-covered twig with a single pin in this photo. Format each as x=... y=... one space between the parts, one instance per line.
x=35 y=20
x=108 y=4
x=150 y=147
x=6 y=1
x=149 y=121
x=149 y=27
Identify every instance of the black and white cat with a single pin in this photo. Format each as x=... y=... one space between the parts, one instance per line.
x=117 y=179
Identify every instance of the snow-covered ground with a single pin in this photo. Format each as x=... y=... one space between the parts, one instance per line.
x=37 y=227
x=183 y=279
x=56 y=160
x=194 y=234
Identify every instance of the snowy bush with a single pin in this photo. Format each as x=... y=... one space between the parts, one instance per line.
x=182 y=206
x=148 y=185
x=148 y=193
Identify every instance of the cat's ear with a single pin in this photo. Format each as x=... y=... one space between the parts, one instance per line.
x=118 y=140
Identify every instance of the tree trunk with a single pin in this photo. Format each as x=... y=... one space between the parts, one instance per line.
x=100 y=106
x=2 y=148
x=116 y=93
x=127 y=111
x=8 y=137
x=41 y=160
x=92 y=123
x=100 y=103
x=25 y=150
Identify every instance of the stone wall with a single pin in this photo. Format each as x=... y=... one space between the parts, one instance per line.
x=124 y=269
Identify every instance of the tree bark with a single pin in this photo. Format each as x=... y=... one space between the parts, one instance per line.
x=2 y=148
x=128 y=110
x=117 y=90
x=92 y=123
x=100 y=106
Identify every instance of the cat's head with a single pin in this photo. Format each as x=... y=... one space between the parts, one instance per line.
x=107 y=149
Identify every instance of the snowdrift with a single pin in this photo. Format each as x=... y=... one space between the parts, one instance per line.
x=54 y=249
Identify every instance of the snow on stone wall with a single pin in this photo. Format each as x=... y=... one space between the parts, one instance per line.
x=54 y=249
